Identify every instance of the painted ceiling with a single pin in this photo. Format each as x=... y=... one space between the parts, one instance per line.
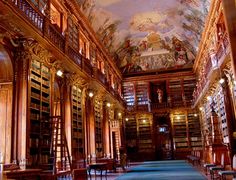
x=148 y=35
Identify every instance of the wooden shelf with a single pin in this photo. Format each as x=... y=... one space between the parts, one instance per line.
x=78 y=141
x=98 y=129
x=39 y=113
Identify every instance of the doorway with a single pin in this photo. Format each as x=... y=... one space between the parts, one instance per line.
x=163 y=141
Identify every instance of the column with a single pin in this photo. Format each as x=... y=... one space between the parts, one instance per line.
x=22 y=57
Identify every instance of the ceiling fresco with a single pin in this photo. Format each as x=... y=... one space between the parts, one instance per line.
x=148 y=35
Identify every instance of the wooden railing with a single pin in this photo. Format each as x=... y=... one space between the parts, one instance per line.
x=76 y=57
x=155 y=106
x=101 y=77
x=32 y=14
x=86 y=66
x=56 y=37
x=143 y=107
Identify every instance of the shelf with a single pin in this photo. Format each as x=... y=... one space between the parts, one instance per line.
x=39 y=110
x=77 y=124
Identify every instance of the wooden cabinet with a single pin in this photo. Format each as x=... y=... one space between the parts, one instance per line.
x=142 y=93
x=39 y=112
x=179 y=129
x=186 y=132
x=175 y=93
x=145 y=143
x=129 y=94
x=77 y=124
x=131 y=134
x=194 y=131
x=98 y=128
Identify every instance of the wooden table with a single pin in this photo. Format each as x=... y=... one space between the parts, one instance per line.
x=97 y=167
x=22 y=174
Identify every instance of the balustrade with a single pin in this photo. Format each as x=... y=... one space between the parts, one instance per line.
x=56 y=37
x=32 y=14
x=76 y=57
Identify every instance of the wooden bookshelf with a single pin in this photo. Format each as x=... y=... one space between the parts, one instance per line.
x=129 y=94
x=98 y=128
x=179 y=129
x=188 y=86
x=220 y=110
x=78 y=141
x=194 y=130
x=145 y=143
x=141 y=93
x=131 y=133
x=175 y=93
x=39 y=112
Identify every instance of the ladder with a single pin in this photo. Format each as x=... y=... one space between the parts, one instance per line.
x=59 y=147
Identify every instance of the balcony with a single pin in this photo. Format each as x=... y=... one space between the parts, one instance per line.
x=53 y=34
x=212 y=65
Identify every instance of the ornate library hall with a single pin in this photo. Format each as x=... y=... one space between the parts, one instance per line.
x=118 y=89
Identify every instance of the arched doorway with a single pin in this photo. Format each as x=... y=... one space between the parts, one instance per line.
x=6 y=101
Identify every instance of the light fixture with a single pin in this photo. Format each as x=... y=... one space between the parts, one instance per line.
x=208 y=98
x=90 y=94
x=119 y=114
x=178 y=117
x=108 y=104
x=127 y=119
x=59 y=73
x=144 y=121
x=195 y=115
x=222 y=80
x=201 y=108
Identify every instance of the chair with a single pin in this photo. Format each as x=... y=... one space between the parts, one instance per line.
x=230 y=172
x=208 y=165
x=215 y=169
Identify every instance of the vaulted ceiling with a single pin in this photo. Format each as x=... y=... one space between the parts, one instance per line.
x=148 y=35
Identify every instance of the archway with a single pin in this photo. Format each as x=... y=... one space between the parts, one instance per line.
x=6 y=101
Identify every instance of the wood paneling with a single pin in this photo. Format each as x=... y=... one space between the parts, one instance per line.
x=6 y=119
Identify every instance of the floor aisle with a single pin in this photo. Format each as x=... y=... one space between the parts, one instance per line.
x=163 y=170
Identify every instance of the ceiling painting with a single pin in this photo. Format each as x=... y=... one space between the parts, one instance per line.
x=148 y=35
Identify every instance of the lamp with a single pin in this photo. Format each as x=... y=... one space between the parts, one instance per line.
x=222 y=80
x=59 y=73
x=209 y=98
x=201 y=108
x=127 y=119
x=108 y=104
x=91 y=94
x=119 y=114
